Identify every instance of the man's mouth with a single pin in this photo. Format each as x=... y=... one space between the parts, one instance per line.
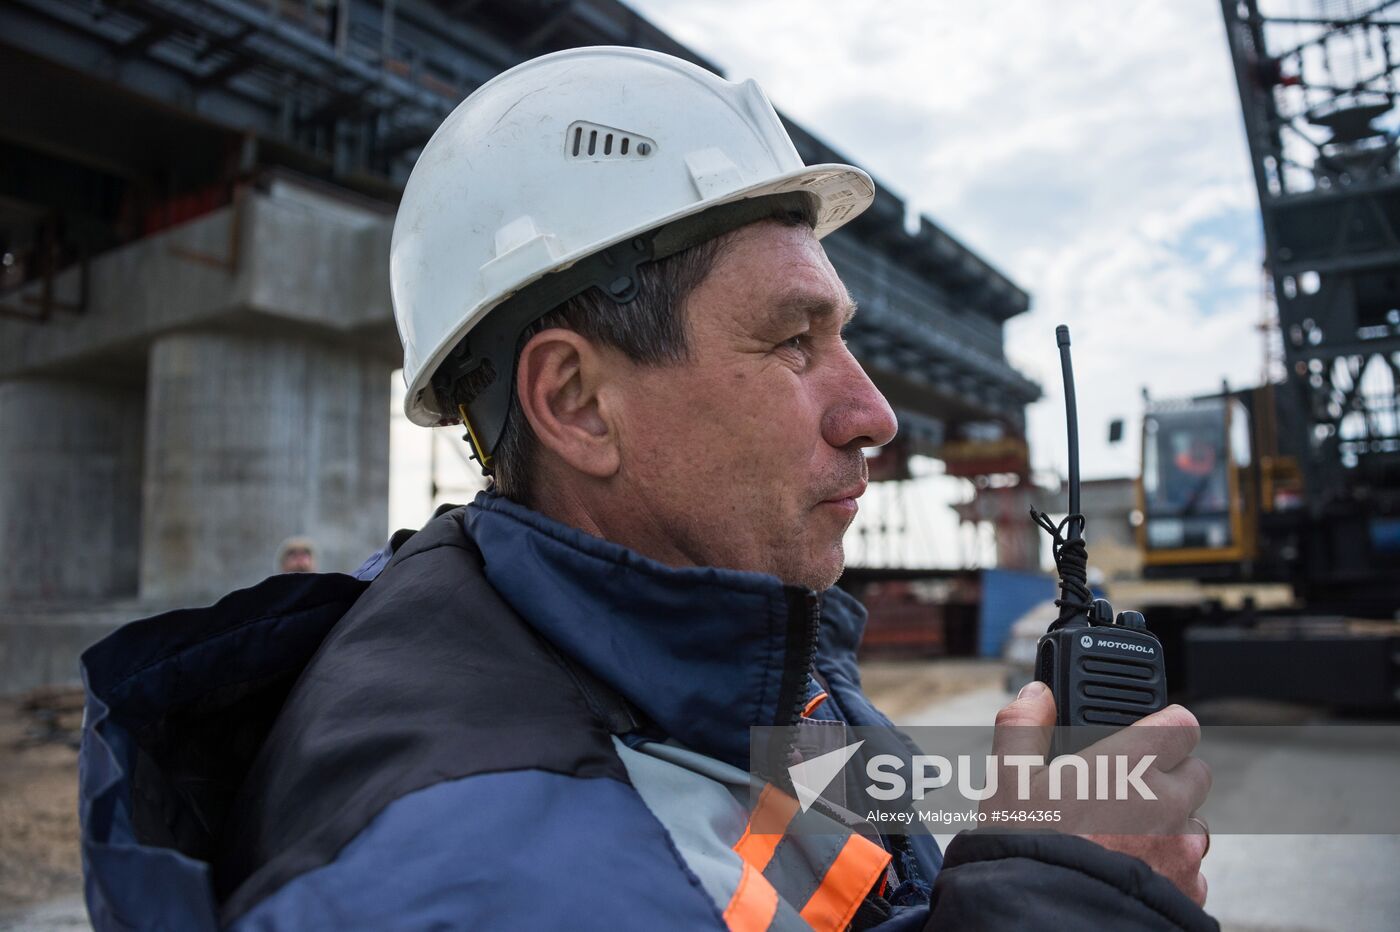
x=847 y=497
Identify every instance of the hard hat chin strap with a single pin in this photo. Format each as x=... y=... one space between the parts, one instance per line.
x=479 y=452
x=470 y=381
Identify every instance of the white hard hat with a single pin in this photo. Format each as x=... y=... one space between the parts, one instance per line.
x=618 y=154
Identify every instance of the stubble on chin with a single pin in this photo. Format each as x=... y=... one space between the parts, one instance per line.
x=811 y=564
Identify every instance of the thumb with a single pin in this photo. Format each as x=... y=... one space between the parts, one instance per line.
x=1025 y=725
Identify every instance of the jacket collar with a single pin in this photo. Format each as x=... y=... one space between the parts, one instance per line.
x=705 y=653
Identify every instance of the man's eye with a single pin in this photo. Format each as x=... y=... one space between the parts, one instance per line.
x=798 y=342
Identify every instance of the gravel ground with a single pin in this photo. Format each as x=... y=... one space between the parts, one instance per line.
x=900 y=688
x=65 y=914
x=38 y=811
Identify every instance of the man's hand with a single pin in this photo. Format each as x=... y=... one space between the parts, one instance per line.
x=1170 y=844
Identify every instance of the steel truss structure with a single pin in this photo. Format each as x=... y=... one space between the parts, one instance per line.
x=1320 y=82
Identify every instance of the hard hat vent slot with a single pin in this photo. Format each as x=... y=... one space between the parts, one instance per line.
x=594 y=142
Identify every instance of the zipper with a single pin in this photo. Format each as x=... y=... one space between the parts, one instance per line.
x=803 y=633
x=799 y=655
x=803 y=636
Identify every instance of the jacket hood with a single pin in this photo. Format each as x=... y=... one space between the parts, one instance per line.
x=177 y=705
x=705 y=653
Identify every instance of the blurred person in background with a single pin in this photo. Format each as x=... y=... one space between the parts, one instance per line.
x=296 y=555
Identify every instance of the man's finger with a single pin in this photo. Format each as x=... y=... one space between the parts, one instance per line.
x=1025 y=725
x=1180 y=792
x=1195 y=774
x=1171 y=734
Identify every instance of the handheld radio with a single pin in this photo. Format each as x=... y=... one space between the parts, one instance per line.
x=1103 y=671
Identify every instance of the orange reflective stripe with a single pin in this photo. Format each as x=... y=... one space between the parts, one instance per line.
x=843 y=888
x=753 y=905
x=767 y=823
x=813 y=704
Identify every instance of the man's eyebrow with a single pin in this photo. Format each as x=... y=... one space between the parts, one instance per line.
x=797 y=308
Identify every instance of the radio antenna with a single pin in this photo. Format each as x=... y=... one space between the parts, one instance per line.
x=1068 y=548
x=1075 y=529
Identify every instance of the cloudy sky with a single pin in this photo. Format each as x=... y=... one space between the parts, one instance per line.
x=1091 y=149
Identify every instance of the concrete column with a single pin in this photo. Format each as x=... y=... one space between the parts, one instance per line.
x=249 y=440
x=70 y=490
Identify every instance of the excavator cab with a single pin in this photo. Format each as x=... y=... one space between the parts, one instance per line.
x=1194 y=493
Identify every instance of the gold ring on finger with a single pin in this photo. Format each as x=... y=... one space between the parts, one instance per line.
x=1204 y=828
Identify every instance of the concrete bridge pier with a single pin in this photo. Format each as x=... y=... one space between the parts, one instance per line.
x=251 y=439
x=70 y=499
x=210 y=390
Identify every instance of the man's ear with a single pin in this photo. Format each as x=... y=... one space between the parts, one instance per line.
x=563 y=381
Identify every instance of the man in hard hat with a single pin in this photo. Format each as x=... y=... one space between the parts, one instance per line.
x=606 y=267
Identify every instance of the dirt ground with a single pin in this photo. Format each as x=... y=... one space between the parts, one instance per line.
x=38 y=801
x=901 y=687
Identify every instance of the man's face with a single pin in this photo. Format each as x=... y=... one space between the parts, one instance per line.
x=748 y=455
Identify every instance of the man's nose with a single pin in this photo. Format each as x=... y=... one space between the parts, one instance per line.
x=858 y=414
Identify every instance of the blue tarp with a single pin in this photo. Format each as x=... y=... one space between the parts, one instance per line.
x=1006 y=596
